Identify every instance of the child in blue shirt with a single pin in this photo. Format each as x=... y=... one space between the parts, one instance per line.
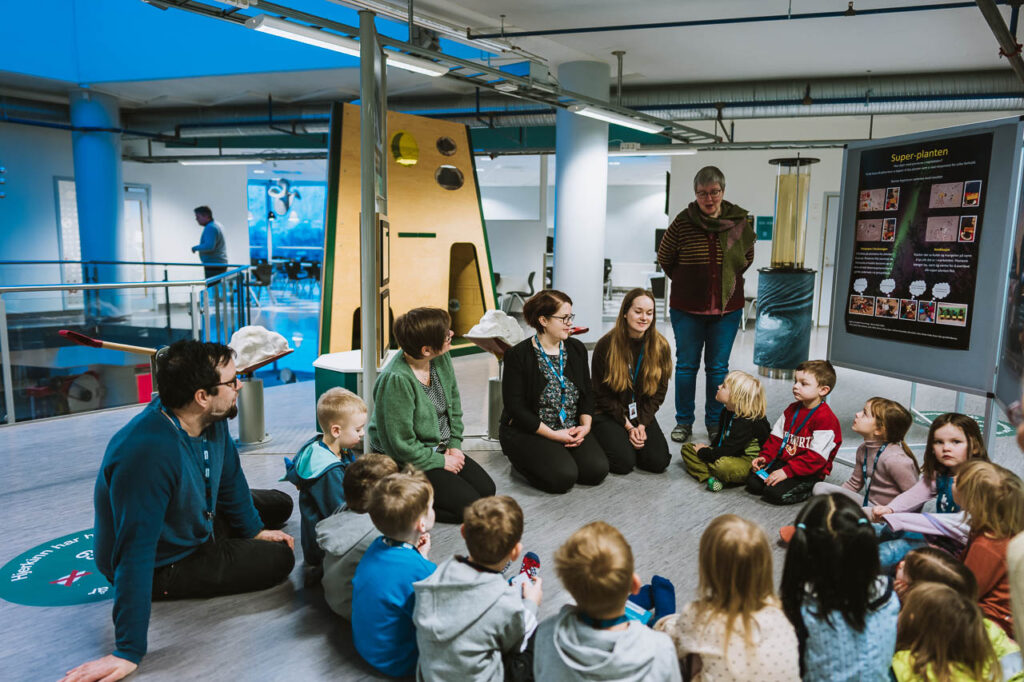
x=319 y=467
x=401 y=507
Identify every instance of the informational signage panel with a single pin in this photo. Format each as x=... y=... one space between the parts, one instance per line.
x=920 y=213
x=923 y=252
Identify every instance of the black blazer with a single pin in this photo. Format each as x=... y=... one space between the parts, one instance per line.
x=523 y=381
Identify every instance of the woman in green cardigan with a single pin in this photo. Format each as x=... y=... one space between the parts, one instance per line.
x=417 y=416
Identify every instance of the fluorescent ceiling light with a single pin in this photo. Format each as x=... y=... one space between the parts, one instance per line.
x=660 y=151
x=330 y=41
x=220 y=162
x=618 y=119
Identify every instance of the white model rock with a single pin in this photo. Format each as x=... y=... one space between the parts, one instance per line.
x=497 y=325
x=254 y=344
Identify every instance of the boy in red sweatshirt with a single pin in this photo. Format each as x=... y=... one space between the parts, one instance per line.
x=803 y=442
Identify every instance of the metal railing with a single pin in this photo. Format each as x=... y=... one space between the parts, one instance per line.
x=216 y=307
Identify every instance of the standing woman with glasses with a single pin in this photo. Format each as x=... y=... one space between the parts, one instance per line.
x=631 y=367
x=417 y=415
x=549 y=403
x=705 y=252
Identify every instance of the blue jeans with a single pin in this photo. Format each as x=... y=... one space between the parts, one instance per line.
x=893 y=546
x=714 y=334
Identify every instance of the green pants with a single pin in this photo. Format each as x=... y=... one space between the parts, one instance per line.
x=725 y=469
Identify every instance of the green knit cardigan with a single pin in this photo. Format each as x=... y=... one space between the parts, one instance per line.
x=404 y=421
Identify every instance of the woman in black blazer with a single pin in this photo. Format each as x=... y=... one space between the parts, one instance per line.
x=549 y=403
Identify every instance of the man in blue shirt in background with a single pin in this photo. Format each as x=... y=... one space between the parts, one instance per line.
x=211 y=247
x=174 y=514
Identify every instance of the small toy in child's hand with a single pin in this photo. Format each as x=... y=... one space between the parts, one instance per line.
x=529 y=570
x=762 y=473
x=636 y=612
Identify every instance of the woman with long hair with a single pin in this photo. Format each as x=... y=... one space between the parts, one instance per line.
x=630 y=368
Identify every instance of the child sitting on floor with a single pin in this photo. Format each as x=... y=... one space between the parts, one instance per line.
x=595 y=640
x=843 y=610
x=736 y=629
x=933 y=565
x=993 y=499
x=803 y=442
x=345 y=535
x=742 y=433
x=402 y=509
x=319 y=467
x=953 y=439
x=942 y=637
x=468 y=618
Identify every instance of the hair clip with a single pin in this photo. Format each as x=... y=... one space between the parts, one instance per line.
x=862 y=521
x=801 y=526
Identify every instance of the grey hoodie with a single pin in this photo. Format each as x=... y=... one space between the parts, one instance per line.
x=466 y=620
x=568 y=649
x=344 y=536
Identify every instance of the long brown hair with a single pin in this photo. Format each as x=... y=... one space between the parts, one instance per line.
x=655 y=348
x=735 y=569
x=931 y=467
x=894 y=421
x=960 y=641
x=993 y=498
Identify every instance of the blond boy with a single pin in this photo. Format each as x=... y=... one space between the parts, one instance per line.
x=593 y=640
x=401 y=507
x=319 y=466
x=468 y=618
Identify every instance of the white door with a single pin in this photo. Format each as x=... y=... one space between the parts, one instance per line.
x=828 y=255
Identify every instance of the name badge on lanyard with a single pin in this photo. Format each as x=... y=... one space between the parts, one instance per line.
x=632 y=408
x=563 y=416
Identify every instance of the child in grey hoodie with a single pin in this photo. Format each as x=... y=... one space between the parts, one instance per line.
x=345 y=535
x=594 y=640
x=468 y=619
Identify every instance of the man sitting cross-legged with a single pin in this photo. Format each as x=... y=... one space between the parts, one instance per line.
x=174 y=514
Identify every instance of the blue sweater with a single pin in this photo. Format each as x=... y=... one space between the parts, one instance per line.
x=382 y=606
x=151 y=507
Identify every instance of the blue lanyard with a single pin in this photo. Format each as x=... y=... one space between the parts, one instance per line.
x=790 y=433
x=206 y=465
x=725 y=428
x=391 y=542
x=874 y=468
x=944 y=502
x=602 y=624
x=636 y=370
x=560 y=374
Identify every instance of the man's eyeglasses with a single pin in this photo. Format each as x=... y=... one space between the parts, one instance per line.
x=566 y=319
x=234 y=382
x=714 y=194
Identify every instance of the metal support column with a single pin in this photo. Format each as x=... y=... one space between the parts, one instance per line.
x=991 y=425
x=193 y=306
x=5 y=358
x=370 y=126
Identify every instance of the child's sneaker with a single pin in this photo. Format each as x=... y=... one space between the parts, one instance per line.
x=714 y=485
x=528 y=571
x=786 y=534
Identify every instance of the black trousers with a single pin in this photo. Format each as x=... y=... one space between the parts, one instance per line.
x=550 y=466
x=454 y=492
x=214 y=270
x=792 y=490
x=228 y=564
x=622 y=456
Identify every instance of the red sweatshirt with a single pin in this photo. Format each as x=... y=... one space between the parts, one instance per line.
x=811 y=448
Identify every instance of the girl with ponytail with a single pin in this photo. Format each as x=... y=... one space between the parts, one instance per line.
x=843 y=610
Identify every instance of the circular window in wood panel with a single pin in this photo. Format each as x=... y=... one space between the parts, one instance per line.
x=404 y=149
x=449 y=177
x=446 y=146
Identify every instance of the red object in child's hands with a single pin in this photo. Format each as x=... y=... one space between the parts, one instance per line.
x=529 y=570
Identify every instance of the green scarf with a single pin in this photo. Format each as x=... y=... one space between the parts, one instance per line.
x=735 y=237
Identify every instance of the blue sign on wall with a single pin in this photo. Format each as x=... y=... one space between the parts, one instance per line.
x=764 y=225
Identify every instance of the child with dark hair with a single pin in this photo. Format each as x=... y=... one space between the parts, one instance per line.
x=957 y=651
x=843 y=610
x=345 y=535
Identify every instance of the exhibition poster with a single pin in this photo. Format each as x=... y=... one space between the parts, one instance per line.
x=920 y=213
